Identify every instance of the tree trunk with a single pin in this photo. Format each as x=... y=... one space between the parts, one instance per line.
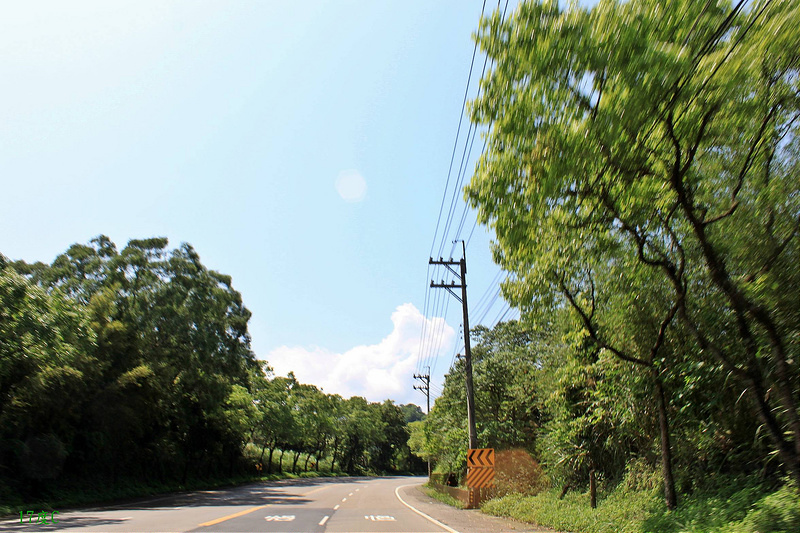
x=744 y=309
x=670 y=496
x=752 y=383
x=269 y=461
x=280 y=463
x=592 y=489
x=305 y=465
x=335 y=449
x=294 y=464
x=185 y=472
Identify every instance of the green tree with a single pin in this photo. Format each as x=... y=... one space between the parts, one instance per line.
x=137 y=360
x=274 y=421
x=657 y=143
x=508 y=411
x=43 y=378
x=412 y=412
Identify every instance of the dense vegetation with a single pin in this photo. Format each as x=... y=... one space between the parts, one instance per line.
x=642 y=178
x=134 y=366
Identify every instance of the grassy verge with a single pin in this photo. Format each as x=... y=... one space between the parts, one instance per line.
x=96 y=493
x=738 y=506
x=442 y=496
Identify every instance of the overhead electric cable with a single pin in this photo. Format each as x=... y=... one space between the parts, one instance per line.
x=458 y=131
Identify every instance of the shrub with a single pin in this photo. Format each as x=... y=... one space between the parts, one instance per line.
x=777 y=513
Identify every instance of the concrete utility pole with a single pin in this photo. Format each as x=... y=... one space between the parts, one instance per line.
x=473 y=434
x=426 y=389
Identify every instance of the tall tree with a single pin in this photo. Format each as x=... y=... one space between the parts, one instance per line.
x=657 y=141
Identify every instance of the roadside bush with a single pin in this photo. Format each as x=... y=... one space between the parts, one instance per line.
x=777 y=513
x=517 y=472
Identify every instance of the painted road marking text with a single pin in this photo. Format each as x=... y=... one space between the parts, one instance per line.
x=280 y=518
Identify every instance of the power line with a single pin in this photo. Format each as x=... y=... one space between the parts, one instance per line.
x=440 y=338
x=465 y=158
x=434 y=326
x=483 y=150
x=500 y=316
x=458 y=131
x=466 y=205
x=459 y=175
x=490 y=305
x=488 y=290
x=423 y=333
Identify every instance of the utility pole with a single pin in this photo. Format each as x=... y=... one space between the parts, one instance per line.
x=462 y=275
x=426 y=389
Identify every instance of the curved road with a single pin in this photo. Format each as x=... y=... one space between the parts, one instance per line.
x=300 y=505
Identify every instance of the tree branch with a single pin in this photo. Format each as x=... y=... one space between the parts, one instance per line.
x=590 y=328
x=745 y=168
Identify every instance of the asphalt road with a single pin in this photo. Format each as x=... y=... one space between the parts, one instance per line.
x=308 y=505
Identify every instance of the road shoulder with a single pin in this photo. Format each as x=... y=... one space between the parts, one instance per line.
x=464 y=521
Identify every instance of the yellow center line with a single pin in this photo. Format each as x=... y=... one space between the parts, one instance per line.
x=248 y=511
x=234 y=515
x=313 y=491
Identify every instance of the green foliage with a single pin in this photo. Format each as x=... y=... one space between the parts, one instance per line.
x=726 y=505
x=613 y=515
x=443 y=497
x=777 y=513
x=640 y=178
x=508 y=412
x=641 y=181
x=411 y=412
x=131 y=366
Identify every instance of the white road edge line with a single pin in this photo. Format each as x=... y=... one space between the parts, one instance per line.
x=335 y=507
x=423 y=515
x=322 y=522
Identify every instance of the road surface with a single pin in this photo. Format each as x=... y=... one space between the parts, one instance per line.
x=304 y=505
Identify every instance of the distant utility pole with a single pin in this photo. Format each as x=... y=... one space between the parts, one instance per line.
x=473 y=434
x=426 y=389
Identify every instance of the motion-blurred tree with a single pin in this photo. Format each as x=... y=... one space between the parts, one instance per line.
x=648 y=151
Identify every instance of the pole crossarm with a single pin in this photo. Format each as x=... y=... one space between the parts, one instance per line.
x=441 y=261
x=447 y=265
x=449 y=289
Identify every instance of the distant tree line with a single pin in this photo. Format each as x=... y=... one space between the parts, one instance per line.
x=135 y=364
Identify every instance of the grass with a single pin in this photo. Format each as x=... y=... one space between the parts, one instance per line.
x=442 y=497
x=727 y=506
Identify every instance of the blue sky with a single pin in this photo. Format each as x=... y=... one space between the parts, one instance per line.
x=227 y=125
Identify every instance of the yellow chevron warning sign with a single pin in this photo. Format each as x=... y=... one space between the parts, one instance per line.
x=480 y=457
x=480 y=471
x=479 y=477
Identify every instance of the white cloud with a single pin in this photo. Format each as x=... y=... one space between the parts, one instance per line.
x=351 y=186
x=376 y=371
